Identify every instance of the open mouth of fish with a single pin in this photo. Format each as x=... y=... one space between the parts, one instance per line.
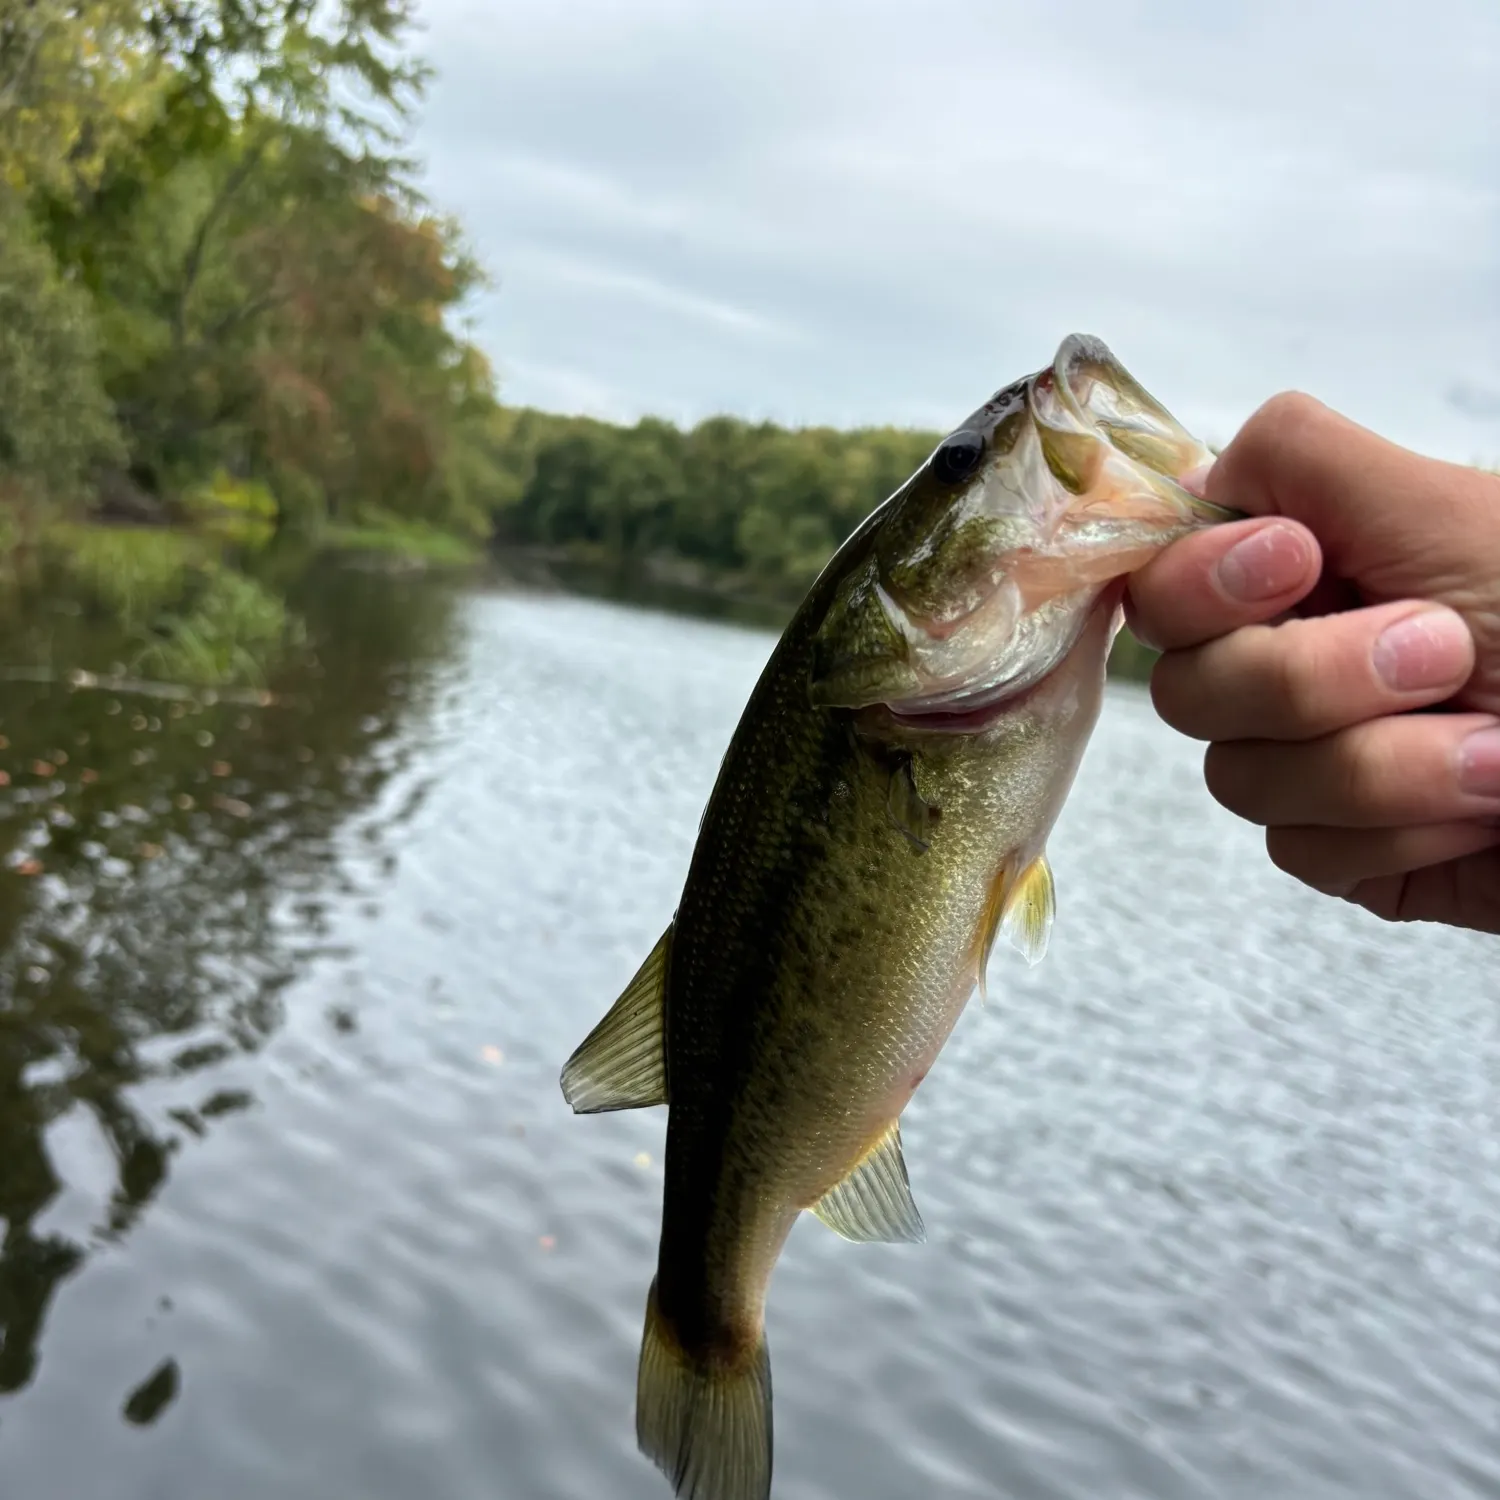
x=1112 y=492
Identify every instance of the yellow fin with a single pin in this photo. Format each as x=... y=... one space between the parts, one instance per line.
x=874 y=1202
x=1021 y=908
x=994 y=911
x=1030 y=905
x=622 y=1062
x=706 y=1425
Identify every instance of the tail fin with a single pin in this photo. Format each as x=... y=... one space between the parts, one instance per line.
x=708 y=1429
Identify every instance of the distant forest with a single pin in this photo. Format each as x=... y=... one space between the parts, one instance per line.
x=759 y=506
x=748 y=509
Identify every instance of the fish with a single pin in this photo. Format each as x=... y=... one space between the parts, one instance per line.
x=879 y=819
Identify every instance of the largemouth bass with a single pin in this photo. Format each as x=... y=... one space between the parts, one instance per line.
x=881 y=814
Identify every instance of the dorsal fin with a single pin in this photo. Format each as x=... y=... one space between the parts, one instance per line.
x=622 y=1062
x=874 y=1201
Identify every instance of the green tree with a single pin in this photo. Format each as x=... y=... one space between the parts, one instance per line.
x=270 y=297
x=56 y=423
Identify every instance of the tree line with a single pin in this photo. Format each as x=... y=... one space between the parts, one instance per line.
x=727 y=500
x=749 y=508
x=220 y=287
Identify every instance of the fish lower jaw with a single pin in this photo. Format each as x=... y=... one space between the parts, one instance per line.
x=961 y=713
x=971 y=709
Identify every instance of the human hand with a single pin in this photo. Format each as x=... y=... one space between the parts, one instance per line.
x=1299 y=644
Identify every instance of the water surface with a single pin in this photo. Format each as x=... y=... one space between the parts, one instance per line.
x=293 y=1207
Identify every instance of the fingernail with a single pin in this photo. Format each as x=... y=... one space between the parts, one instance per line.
x=1479 y=763
x=1195 y=481
x=1425 y=650
x=1268 y=562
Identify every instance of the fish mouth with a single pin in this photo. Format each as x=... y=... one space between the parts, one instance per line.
x=1083 y=478
x=1131 y=458
x=1114 y=480
x=973 y=708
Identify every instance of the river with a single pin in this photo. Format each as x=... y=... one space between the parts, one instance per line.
x=293 y=1206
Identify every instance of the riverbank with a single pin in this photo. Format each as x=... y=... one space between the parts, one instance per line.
x=201 y=607
x=208 y=607
x=680 y=585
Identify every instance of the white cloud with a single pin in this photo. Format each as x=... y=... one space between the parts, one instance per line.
x=535 y=263
x=881 y=212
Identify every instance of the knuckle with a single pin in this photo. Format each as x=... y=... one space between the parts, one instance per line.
x=1286 y=417
x=1363 y=772
x=1310 y=855
x=1176 y=693
x=1275 y=440
x=1287 y=849
x=1296 y=685
x=1165 y=688
x=1143 y=608
x=1230 y=774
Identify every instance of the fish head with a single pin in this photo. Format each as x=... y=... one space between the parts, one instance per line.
x=977 y=577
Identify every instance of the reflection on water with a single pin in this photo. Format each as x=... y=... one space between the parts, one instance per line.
x=165 y=868
x=293 y=1206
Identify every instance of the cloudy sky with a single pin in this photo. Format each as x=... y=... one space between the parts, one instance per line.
x=828 y=211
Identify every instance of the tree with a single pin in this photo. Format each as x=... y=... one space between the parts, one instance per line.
x=271 y=297
x=55 y=420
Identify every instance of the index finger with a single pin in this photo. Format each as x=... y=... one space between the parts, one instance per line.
x=1211 y=582
x=1371 y=502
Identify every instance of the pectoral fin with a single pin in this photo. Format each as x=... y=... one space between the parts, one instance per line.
x=874 y=1201
x=907 y=811
x=622 y=1063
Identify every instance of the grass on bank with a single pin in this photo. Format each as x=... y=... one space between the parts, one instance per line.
x=185 y=614
x=177 y=607
x=408 y=540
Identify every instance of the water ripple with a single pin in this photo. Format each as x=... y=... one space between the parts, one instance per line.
x=1213 y=1193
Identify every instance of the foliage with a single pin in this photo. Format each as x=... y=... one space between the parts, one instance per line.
x=239 y=510
x=55 y=421
x=761 y=505
x=217 y=273
x=231 y=632
x=405 y=539
x=128 y=575
x=182 y=612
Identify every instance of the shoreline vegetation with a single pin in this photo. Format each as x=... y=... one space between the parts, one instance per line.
x=231 y=342
x=230 y=327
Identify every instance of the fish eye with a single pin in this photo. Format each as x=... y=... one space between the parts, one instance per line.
x=957 y=457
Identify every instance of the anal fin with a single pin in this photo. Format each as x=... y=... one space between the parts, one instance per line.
x=622 y=1063
x=874 y=1202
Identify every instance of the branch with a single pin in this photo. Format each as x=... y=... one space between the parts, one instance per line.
x=12 y=88
x=193 y=264
x=178 y=692
x=252 y=309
